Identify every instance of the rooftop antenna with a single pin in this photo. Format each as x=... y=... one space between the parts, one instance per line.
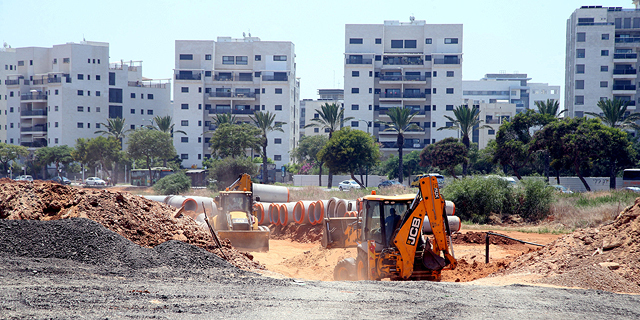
x=249 y=32
x=412 y=18
x=244 y=35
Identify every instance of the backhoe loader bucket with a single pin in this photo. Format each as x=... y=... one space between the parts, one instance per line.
x=340 y=232
x=247 y=240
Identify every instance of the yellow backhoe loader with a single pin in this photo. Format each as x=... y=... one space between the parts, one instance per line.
x=390 y=237
x=237 y=219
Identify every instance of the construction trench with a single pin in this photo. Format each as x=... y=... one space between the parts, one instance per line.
x=42 y=220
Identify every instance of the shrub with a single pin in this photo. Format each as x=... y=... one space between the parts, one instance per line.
x=536 y=202
x=226 y=171
x=173 y=184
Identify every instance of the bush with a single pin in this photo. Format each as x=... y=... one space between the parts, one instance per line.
x=536 y=202
x=226 y=171
x=173 y=184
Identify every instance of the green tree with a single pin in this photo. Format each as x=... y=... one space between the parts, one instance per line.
x=11 y=152
x=350 y=150
x=265 y=121
x=149 y=144
x=331 y=118
x=57 y=155
x=400 y=123
x=481 y=160
x=164 y=124
x=115 y=127
x=103 y=150
x=232 y=140
x=226 y=171
x=411 y=165
x=173 y=184
x=307 y=151
x=550 y=107
x=444 y=154
x=465 y=119
x=614 y=114
x=222 y=118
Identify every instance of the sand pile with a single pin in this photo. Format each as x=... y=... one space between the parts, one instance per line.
x=605 y=258
x=303 y=233
x=144 y=222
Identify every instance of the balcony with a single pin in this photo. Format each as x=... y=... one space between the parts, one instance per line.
x=394 y=145
x=35 y=144
x=492 y=121
x=403 y=78
x=39 y=82
x=414 y=95
x=624 y=87
x=455 y=60
x=267 y=77
x=625 y=57
x=390 y=95
x=233 y=77
x=36 y=128
x=34 y=96
x=359 y=61
x=12 y=82
x=232 y=96
x=55 y=80
x=385 y=111
x=187 y=76
x=31 y=113
x=147 y=84
x=625 y=71
x=405 y=61
x=628 y=40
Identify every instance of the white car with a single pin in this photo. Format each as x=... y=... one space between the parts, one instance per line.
x=348 y=185
x=95 y=181
x=24 y=178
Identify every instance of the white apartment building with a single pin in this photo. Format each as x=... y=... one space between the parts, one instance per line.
x=601 y=57
x=308 y=109
x=237 y=76
x=57 y=95
x=513 y=88
x=8 y=64
x=493 y=114
x=403 y=64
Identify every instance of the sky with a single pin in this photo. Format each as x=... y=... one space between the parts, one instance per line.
x=498 y=35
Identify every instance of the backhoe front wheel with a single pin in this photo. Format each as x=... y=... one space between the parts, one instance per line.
x=362 y=266
x=345 y=270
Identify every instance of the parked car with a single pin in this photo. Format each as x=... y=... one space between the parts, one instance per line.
x=440 y=178
x=348 y=185
x=24 y=178
x=564 y=189
x=94 y=181
x=633 y=189
x=389 y=183
x=61 y=180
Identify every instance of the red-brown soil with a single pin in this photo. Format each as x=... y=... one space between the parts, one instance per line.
x=303 y=233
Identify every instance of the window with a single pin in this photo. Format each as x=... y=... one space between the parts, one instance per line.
x=316 y=130
x=581 y=37
x=355 y=123
x=88 y=93
x=56 y=92
x=257 y=57
x=410 y=44
x=450 y=40
x=604 y=53
x=448 y=124
x=278 y=90
x=435 y=74
x=277 y=157
x=355 y=90
x=580 y=68
x=449 y=74
x=115 y=112
x=207 y=73
x=133 y=111
x=378 y=41
x=55 y=61
x=579 y=84
x=378 y=58
x=88 y=109
x=449 y=107
x=98 y=61
x=80 y=125
x=81 y=92
x=227 y=59
x=97 y=77
x=492 y=132
x=579 y=100
x=605 y=36
x=184 y=106
x=199 y=123
x=449 y=90
x=278 y=107
x=277 y=141
x=242 y=60
x=370 y=74
x=89 y=60
x=428 y=41
x=397 y=43
x=207 y=57
x=115 y=95
x=56 y=124
x=97 y=125
x=89 y=125
x=184 y=139
x=80 y=109
x=112 y=78
x=20 y=63
x=433 y=107
x=427 y=57
x=604 y=84
x=133 y=95
x=355 y=41
x=184 y=156
x=434 y=92
x=355 y=107
x=80 y=76
x=184 y=123
x=132 y=127
x=186 y=57
x=579 y=53
x=97 y=93
x=150 y=96
x=279 y=58
x=150 y=112
x=355 y=73
x=56 y=108
x=604 y=68
x=97 y=109
x=185 y=90
x=56 y=140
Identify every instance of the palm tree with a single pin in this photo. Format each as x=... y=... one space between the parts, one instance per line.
x=164 y=124
x=549 y=107
x=224 y=118
x=465 y=120
x=265 y=121
x=614 y=114
x=331 y=119
x=115 y=128
x=400 y=123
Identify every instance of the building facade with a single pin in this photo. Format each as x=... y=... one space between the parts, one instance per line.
x=397 y=64
x=236 y=76
x=8 y=64
x=601 y=58
x=57 y=95
x=308 y=109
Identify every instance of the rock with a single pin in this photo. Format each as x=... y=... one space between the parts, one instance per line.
x=610 y=265
x=608 y=244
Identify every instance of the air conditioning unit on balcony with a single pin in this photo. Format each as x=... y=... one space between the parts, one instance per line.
x=416 y=145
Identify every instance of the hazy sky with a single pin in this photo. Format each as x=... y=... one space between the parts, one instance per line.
x=509 y=35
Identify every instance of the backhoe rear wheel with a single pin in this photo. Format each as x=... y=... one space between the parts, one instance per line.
x=345 y=270
x=362 y=265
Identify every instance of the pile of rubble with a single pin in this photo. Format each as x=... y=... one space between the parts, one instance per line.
x=144 y=222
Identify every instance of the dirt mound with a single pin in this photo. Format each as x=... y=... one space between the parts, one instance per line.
x=465 y=271
x=303 y=233
x=605 y=258
x=479 y=238
x=144 y=222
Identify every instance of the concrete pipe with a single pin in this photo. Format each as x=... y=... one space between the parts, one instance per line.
x=177 y=201
x=454 y=224
x=263 y=219
x=209 y=205
x=157 y=198
x=359 y=202
x=301 y=212
x=311 y=213
x=450 y=207
x=286 y=213
x=274 y=213
x=320 y=211
x=269 y=193
x=341 y=209
x=330 y=208
x=351 y=205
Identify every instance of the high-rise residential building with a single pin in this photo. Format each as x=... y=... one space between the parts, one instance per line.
x=308 y=109
x=56 y=95
x=8 y=64
x=512 y=88
x=403 y=64
x=601 y=57
x=236 y=76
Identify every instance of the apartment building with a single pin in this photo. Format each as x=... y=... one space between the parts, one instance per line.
x=403 y=64
x=308 y=109
x=57 y=95
x=493 y=114
x=8 y=63
x=236 y=76
x=601 y=57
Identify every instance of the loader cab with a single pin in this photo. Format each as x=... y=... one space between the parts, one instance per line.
x=382 y=217
x=237 y=205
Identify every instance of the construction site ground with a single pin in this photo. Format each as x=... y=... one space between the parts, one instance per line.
x=85 y=253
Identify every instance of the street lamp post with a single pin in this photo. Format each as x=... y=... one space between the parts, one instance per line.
x=366 y=184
